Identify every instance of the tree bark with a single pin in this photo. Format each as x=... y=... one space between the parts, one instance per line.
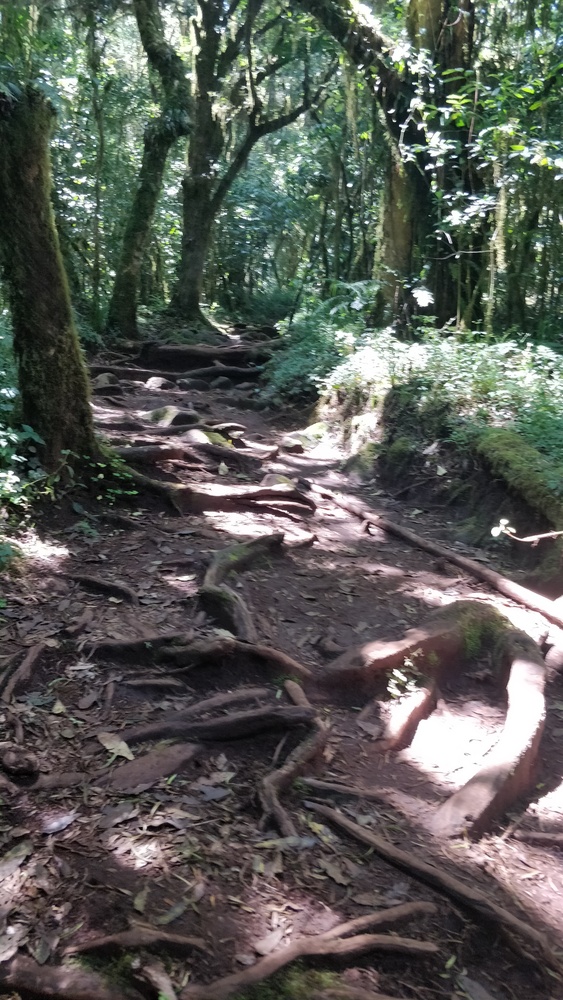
x=52 y=376
x=122 y=314
x=160 y=136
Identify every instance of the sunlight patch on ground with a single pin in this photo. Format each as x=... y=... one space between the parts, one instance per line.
x=455 y=744
x=41 y=552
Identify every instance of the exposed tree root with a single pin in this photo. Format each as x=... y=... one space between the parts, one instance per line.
x=339 y=788
x=236 y=726
x=61 y=982
x=240 y=556
x=228 y=610
x=454 y=632
x=100 y=586
x=405 y=717
x=131 y=649
x=539 y=839
x=272 y=786
x=477 y=902
x=216 y=703
x=137 y=937
x=155 y=974
x=150 y=454
x=334 y=943
x=77 y=626
x=189 y=356
x=349 y=993
x=223 y=605
x=188 y=500
x=142 y=374
x=531 y=600
x=205 y=650
x=23 y=672
x=441 y=643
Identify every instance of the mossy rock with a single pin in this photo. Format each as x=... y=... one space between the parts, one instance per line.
x=361 y=465
x=398 y=459
x=525 y=471
x=170 y=416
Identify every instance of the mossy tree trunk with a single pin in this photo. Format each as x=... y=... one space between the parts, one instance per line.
x=160 y=135
x=122 y=313
x=52 y=376
x=221 y=44
x=409 y=217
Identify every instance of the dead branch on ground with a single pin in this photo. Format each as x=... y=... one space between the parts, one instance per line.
x=531 y=600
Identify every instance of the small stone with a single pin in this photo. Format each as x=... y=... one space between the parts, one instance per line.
x=158 y=382
x=193 y=383
x=292 y=445
x=104 y=380
x=245 y=386
x=221 y=383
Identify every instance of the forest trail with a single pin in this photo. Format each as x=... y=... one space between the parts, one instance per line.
x=203 y=855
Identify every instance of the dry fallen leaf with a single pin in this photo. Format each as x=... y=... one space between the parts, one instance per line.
x=270 y=942
x=115 y=746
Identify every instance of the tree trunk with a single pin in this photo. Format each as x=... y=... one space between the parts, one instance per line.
x=52 y=376
x=198 y=217
x=122 y=314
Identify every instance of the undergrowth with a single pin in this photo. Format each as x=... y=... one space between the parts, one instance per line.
x=478 y=383
x=318 y=337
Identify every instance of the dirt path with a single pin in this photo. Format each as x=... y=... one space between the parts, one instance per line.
x=168 y=840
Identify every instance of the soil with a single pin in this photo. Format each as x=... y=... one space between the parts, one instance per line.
x=187 y=852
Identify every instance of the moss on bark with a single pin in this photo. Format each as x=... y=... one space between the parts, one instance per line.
x=52 y=376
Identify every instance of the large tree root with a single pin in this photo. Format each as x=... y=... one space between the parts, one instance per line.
x=236 y=726
x=454 y=632
x=214 y=650
x=61 y=982
x=188 y=500
x=535 y=602
x=132 y=649
x=142 y=374
x=475 y=900
x=190 y=356
x=334 y=943
x=23 y=672
x=223 y=605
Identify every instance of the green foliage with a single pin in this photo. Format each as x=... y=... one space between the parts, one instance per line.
x=472 y=382
x=321 y=334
